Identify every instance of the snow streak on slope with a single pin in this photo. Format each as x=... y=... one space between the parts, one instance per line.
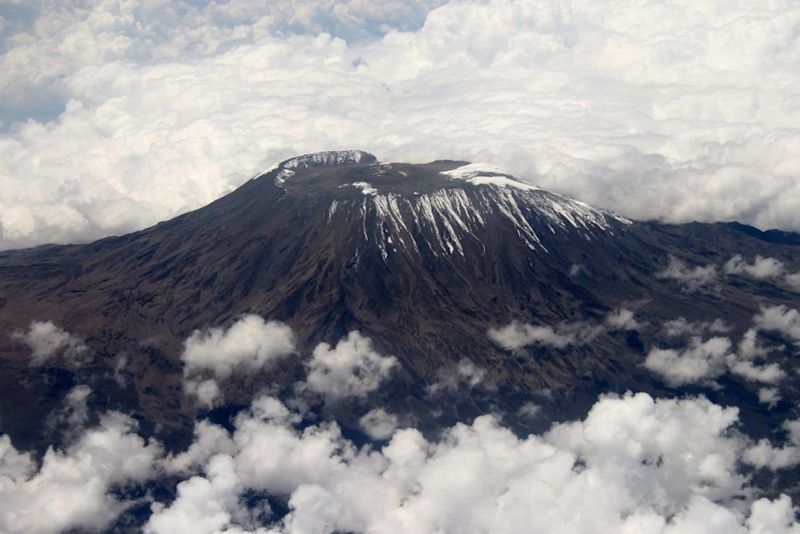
x=444 y=220
x=457 y=206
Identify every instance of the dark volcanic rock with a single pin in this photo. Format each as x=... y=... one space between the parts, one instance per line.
x=423 y=259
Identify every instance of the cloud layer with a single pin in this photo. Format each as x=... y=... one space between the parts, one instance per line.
x=119 y=115
x=634 y=464
x=73 y=488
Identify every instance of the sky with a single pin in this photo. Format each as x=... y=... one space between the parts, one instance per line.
x=115 y=115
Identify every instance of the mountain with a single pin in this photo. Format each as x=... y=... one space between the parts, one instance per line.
x=424 y=259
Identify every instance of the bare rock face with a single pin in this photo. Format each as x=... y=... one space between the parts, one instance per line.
x=424 y=259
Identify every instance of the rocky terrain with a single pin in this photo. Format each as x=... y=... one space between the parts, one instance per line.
x=426 y=260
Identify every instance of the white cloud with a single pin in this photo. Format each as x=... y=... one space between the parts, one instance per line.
x=773 y=516
x=120 y=363
x=622 y=319
x=793 y=281
x=75 y=413
x=209 y=439
x=634 y=464
x=763 y=268
x=248 y=345
x=769 y=396
x=48 y=341
x=516 y=335
x=529 y=410
x=465 y=375
x=206 y=391
x=698 y=362
x=780 y=319
x=351 y=369
x=763 y=454
x=690 y=278
x=70 y=490
x=378 y=423
x=760 y=268
x=681 y=327
x=702 y=361
x=766 y=374
x=204 y=505
x=654 y=110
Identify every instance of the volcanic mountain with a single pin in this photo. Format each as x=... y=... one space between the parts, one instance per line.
x=424 y=259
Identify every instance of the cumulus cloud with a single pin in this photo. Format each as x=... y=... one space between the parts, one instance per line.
x=764 y=454
x=702 y=361
x=698 y=362
x=517 y=335
x=653 y=110
x=680 y=327
x=763 y=268
x=766 y=374
x=780 y=319
x=634 y=464
x=207 y=392
x=378 y=423
x=760 y=268
x=203 y=504
x=71 y=489
x=72 y=417
x=769 y=396
x=208 y=440
x=529 y=410
x=465 y=375
x=48 y=341
x=250 y=344
x=793 y=281
x=351 y=369
x=622 y=319
x=690 y=278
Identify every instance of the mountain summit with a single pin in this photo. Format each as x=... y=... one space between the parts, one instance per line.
x=456 y=269
x=444 y=207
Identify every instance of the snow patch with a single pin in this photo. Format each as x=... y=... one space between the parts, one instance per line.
x=320 y=159
x=365 y=187
x=324 y=159
x=445 y=220
x=488 y=174
x=284 y=175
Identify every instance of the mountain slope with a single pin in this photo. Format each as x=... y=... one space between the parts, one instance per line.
x=423 y=259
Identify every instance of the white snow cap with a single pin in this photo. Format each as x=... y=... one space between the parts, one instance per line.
x=333 y=157
x=320 y=159
x=488 y=174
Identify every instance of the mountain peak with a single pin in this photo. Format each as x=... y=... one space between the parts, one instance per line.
x=328 y=158
x=444 y=207
x=331 y=158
